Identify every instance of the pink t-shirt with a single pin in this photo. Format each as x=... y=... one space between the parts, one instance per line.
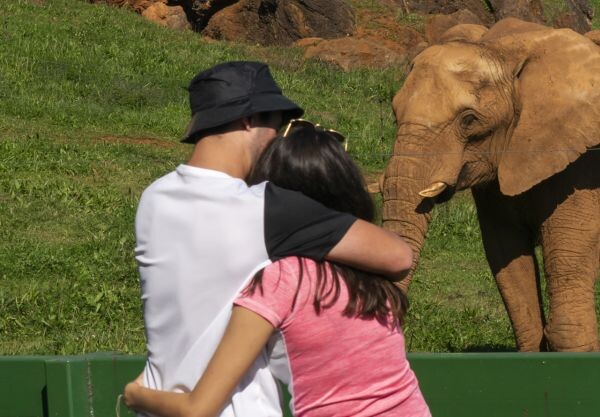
x=340 y=366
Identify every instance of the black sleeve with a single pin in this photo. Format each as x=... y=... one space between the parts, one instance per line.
x=296 y=225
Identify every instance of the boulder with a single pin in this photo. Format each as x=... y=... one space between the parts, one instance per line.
x=528 y=10
x=281 y=22
x=306 y=42
x=385 y=27
x=399 y=38
x=594 y=35
x=465 y=32
x=437 y=25
x=173 y=17
x=416 y=50
x=176 y=14
x=199 y=12
x=477 y=7
x=351 y=53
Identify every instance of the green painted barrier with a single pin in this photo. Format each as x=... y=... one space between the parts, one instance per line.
x=455 y=385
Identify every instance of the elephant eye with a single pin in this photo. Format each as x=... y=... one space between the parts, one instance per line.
x=467 y=121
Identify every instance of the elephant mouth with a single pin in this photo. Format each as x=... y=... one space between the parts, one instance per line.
x=427 y=203
x=446 y=195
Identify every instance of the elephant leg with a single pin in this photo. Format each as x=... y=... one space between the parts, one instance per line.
x=571 y=243
x=510 y=251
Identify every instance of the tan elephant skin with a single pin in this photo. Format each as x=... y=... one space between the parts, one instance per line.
x=515 y=117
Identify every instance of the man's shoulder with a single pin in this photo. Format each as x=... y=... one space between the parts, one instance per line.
x=158 y=187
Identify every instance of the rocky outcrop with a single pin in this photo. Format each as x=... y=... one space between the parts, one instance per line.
x=170 y=13
x=265 y=22
x=200 y=11
x=594 y=35
x=437 y=25
x=169 y=16
x=281 y=22
x=351 y=53
x=394 y=32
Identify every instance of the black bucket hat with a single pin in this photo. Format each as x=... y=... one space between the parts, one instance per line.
x=232 y=90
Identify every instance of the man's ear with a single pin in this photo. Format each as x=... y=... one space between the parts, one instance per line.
x=247 y=122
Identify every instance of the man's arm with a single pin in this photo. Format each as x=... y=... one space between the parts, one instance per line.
x=371 y=248
x=295 y=225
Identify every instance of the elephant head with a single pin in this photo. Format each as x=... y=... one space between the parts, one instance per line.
x=516 y=109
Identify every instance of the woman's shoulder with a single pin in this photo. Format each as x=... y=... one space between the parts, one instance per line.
x=292 y=265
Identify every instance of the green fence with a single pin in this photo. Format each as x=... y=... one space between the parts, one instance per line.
x=455 y=385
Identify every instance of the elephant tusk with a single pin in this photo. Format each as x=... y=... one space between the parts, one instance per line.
x=433 y=190
x=376 y=187
x=373 y=188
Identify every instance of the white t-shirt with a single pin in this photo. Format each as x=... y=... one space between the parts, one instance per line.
x=201 y=235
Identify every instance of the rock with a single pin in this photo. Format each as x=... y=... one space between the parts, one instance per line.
x=281 y=22
x=594 y=35
x=438 y=24
x=402 y=41
x=477 y=7
x=465 y=32
x=173 y=17
x=527 y=10
x=351 y=53
x=199 y=12
x=306 y=42
x=416 y=50
x=385 y=27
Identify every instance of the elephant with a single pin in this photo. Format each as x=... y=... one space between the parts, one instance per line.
x=514 y=116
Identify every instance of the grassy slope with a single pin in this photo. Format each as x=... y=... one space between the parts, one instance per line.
x=92 y=101
x=596 y=21
x=82 y=86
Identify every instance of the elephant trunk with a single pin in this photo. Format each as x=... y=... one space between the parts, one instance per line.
x=405 y=212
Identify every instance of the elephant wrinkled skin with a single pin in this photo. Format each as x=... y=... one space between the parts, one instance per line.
x=515 y=117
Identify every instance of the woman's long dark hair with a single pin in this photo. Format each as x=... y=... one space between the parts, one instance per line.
x=314 y=162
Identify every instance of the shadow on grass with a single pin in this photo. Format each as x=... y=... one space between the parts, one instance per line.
x=489 y=348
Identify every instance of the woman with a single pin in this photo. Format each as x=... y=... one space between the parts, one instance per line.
x=340 y=327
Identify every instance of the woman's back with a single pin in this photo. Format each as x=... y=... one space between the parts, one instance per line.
x=340 y=366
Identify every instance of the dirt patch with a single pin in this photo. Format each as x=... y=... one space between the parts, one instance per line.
x=128 y=140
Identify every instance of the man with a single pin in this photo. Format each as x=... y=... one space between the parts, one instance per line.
x=202 y=233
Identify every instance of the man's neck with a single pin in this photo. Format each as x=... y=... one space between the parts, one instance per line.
x=224 y=153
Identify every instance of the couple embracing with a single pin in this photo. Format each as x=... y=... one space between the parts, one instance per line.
x=259 y=261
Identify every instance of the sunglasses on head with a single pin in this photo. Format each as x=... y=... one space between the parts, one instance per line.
x=302 y=124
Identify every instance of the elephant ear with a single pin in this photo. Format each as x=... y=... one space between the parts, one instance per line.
x=557 y=84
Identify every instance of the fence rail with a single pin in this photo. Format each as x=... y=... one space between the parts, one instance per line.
x=455 y=385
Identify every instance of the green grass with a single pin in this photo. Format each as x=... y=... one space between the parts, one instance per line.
x=596 y=20
x=90 y=114
x=412 y=20
x=455 y=306
x=552 y=8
